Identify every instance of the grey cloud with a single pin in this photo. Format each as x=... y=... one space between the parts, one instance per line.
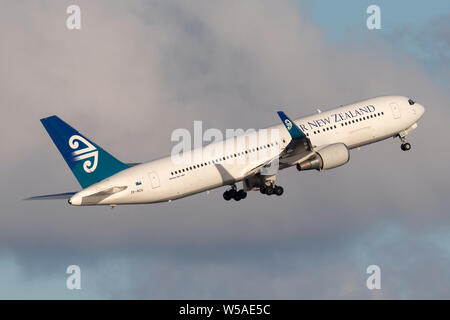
x=136 y=71
x=431 y=42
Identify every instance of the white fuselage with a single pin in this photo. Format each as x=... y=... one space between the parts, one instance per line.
x=164 y=179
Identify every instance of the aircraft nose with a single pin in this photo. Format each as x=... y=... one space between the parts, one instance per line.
x=420 y=110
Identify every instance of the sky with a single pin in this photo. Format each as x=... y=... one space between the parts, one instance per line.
x=137 y=70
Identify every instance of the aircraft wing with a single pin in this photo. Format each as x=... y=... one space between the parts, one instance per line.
x=299 y=147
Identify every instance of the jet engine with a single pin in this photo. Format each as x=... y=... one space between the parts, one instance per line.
x=329 y=157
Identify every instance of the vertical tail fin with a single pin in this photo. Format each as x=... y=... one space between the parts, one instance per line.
x=88 y=162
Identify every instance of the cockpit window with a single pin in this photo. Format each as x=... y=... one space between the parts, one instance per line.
x=411 y=102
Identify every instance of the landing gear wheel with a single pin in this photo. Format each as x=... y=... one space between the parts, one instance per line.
x=269 y=190
x=263 y=189
x=227 y=196
x=233 y=193
x=406 y=146
x=242 y=194
x=279 y=190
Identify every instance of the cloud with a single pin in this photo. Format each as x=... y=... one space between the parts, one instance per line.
x=135 y=72
x=430 y=42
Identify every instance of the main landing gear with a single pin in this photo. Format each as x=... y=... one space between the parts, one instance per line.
x=405 y=146
x=235 y=194
x=269 y=190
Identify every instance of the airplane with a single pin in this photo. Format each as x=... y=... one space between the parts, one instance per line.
x=318 y=142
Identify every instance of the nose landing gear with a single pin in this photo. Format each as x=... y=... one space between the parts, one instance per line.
x=405 y=146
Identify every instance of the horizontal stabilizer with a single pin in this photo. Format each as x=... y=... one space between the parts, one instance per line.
x=109 y=191
x=65 y=195
x=95 y=198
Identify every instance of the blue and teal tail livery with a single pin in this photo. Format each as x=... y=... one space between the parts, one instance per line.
x=88 y=162
x=291 y=127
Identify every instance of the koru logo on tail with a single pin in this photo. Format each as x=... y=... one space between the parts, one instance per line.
x=288 y=124
x=84 y=153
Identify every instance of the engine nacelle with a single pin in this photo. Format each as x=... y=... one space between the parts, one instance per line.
x=329 y=157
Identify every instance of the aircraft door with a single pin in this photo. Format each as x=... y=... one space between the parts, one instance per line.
x=395 y=110
x=154 y=179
